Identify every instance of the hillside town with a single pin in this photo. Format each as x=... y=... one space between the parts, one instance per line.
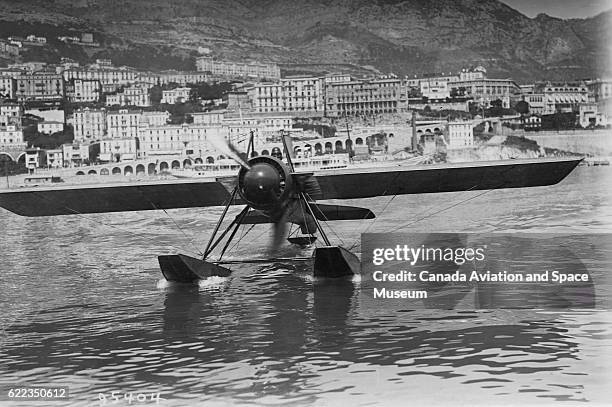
x=71 y=115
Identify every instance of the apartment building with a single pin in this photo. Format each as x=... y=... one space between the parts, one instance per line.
x=82 y=91
x=185 y=139
x=173 y=96
x=39 y=86
x=363 y=97
x=122 y=124
x=232 y=69
x=89 y=124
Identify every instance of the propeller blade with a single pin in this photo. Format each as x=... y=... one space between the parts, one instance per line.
x=226 y=147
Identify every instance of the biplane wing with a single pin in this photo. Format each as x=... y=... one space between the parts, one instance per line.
x=347 y=183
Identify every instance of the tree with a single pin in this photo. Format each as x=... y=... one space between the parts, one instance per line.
x=155 y=93
x=522 y=107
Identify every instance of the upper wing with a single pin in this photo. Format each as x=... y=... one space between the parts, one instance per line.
x=339 y=184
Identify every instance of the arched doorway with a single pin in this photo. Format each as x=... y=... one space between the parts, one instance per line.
x=6 y=157
x=318 y=149
x=151 y=169
x=176 y=164
x=140 y=169
x=104 y=171
x=116 y=171
x=338 y=147
x=328 y=148
x=359 y=141
x=92 y=172
x=199 y=160
x=210 y=160
x=128 y=170
x=187 y=163
x=163 y=166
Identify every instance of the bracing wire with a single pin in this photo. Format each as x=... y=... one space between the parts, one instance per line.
x=81 y=215
x=189 y=240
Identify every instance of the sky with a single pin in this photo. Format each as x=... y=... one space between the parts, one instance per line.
x=561 y=8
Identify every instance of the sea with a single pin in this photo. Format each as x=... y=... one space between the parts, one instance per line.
x=83 y=305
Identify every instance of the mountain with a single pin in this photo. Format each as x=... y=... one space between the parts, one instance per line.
x=405 y=37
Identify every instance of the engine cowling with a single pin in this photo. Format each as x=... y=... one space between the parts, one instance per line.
x=267 y=185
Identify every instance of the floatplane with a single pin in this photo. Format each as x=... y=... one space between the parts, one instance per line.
x=271 y=191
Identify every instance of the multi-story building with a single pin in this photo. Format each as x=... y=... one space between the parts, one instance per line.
x=534 y=98
x=115 y=150
x=563 y=97
x=293 y=94
x=153 y=119
x=206 y=118
x=11 y=137
x=459 y=134
x=181 y=78
x=89 y=124
x=137 y=95
x=50 y=127
x=39 y=86
x=231 y=69
x=75 y=154
x=178 y=95
x=55 y=158
x=430 y=82
x=79 y=90
x=486 y=90
x=103 y=74
x=182 y=139
x=363 y=97
x=122 y=124
x=7 y=87
x=589 y=115
x=600 y=89
x=14 y=110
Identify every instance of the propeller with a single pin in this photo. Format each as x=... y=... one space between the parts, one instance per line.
x=268 y=185
x=226 y=147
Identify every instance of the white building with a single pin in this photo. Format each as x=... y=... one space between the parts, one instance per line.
x=460 y=135
x=115 y=150
x=212 y=117
x=123 y=124
x=35 y=158
x=434 y=89
x=11 y=109
x=55 y=158
x=84 y=91
x=11 y=137
x=89 y=124
x=106 y=75
x=154 y=118
x=563 y=97
x=178 y=95
x=75 y=154
x=50 y=127
x=7 y=87
x=185 y=139
x=232 y=69
x=589 y=115
x=293 y=94
x=137 y=95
